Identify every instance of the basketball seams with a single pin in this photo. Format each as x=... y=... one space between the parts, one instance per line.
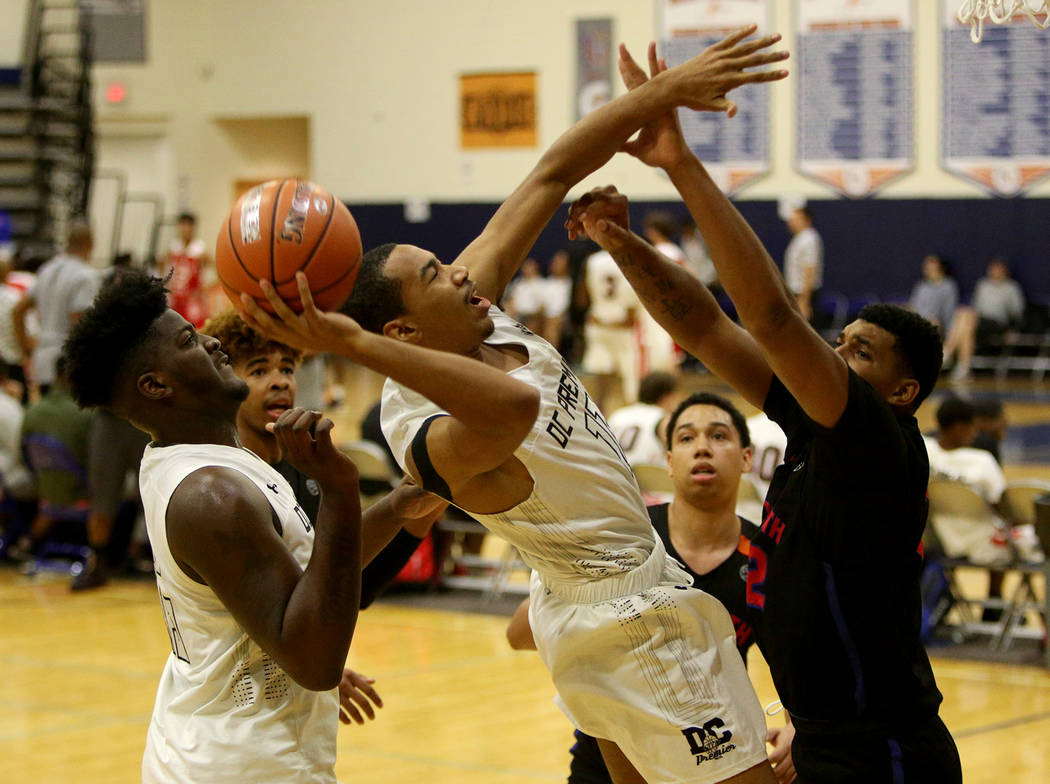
x=236 y=253
x=317 y=244
x=273 y=238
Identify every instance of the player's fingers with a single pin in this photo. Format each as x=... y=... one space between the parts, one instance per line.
x=630 y=71
x=654 y=62
x=370 y=691
x=280 y=307
x=749 y=77
x=747 y=47
x=344 y=717
x=759 y=59
x=735 y=37
x=306 y=297
x=363 y=703
x=350 y=710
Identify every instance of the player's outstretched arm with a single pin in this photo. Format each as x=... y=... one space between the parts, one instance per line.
x=490 y=413
x=816 y=376
x=678 y=301
x=701 y=83
x=221 y=531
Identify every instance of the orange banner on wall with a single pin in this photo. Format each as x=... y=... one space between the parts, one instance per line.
x=497 y=110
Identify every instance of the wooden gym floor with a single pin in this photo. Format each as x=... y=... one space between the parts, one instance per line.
x=80 y=672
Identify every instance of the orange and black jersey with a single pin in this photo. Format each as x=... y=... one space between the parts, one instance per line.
x=726 y=582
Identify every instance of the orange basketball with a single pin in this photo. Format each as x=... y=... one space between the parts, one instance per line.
x=283 y=226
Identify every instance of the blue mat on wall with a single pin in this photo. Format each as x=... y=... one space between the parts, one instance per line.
x=874 y=245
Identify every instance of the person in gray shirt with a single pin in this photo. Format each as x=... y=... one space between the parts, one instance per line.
x=998 y=306
x=65 y=287
x=936 y=296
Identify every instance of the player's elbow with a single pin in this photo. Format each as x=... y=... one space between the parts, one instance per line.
x=318 y=675
x=771 y=321
x=523 y=409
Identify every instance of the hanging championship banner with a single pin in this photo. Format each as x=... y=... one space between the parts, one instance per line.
x=854 y=74
x=734 y=150
x=497 y=110
x=594 y=64
x=996 y=103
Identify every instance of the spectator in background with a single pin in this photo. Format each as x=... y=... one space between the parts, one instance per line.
x=187 y=258
x=998 y=307
x=697 y=259
x=804 y=261
x=991 y=424
x=639 y=426
x=557 y=297
x=952 y=456
x=65 y=287
x=56 y=419
x=611 y=346
x=769 y=444
x=936 y=296
x=659 y=352
x=525 y=298
x=11 y=355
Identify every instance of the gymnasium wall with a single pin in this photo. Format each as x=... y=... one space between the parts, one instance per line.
x=375 y=88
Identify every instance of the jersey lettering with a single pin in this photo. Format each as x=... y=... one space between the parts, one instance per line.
x=596 y=425
x=178 y=647
x=627 y=436
x=756 y=576
x=767 y=463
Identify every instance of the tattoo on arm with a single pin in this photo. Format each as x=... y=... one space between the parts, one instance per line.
x=674 y=306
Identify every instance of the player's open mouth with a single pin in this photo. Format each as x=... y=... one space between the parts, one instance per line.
x=703 y=472
x=275 y=409
x=474 y=300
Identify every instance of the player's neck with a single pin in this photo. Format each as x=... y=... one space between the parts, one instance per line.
x=263 y=444
x=503 y=357
x=196 y=430
x=703 y=528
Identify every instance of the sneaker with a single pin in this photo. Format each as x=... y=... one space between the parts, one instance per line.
x=93 y=576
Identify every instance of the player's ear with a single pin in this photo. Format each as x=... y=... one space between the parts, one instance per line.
x=404 y=329
x=747 y=456
x=906 y=392
x=153 y=386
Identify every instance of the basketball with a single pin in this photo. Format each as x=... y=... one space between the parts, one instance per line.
x=283 y=226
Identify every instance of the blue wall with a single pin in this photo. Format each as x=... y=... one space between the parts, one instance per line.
x=872 y=246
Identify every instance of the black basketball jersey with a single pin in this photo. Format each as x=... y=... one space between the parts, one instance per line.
x=833 y=578
x=726 y=582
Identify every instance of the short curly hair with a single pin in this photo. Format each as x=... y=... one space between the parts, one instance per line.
x=918 y=343
x=710 y=399
x=239 y=341
x=109 y=333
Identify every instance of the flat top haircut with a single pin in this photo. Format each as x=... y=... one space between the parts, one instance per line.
x=110 y=333
x=655 y=385
x=954 y=411
x=376 y=299
x=709 y=399
x=918 y=345
x=239 y=341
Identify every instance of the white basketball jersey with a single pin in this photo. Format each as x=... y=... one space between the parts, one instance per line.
x=635 y=428
x=770 y=443
x=225 y=710
x=610 y=293
x=585 y=518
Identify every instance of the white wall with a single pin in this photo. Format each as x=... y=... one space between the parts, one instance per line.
x=378 y=82
x=12 y=25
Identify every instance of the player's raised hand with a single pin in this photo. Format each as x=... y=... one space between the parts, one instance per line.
x=311 y=330
x=601 y=214
x=660 y=143
x=703 y=82
x=357 y=688
x=305 y=438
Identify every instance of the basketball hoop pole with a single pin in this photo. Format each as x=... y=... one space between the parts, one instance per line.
x=974 y=12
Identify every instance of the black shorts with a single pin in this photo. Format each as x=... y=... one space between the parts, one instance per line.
x=922 y=754
x=587 y=765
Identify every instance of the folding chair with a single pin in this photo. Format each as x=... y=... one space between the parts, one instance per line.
x=655 y=482
x=955 y=499
x=375 y=476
